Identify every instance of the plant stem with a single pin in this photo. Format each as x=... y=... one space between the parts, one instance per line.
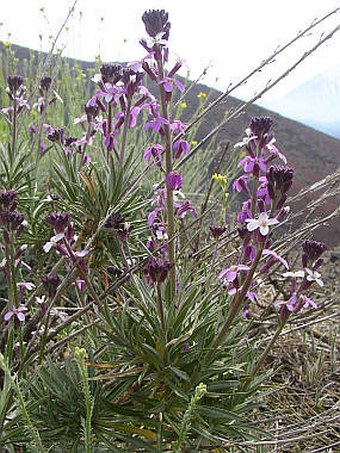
x=267 y=350
x=14 y=130
x=161 y=310
x=169 y=192
x=125 y=129
x=238 y=300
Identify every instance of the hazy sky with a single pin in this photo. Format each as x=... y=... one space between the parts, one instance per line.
x=230 y=36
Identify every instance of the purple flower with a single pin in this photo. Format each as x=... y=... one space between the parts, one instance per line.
x=156 y=124
x=156 y=152
x=245 y=212
x=91 y=111
x=306 y=302
x=53 y=242
x=26 y=285
x=117 y=222
x=288 y=304
x=80 y=284
x=56 y=136
x=157 y=269
x=252 y=165
x=179 y=147
x=131 y=80
x=274 y=257
x=175 y=181
x=16 y=312
x=168 y=84
x=241 y=185
x=232 y=272
x=178 y=127
x=183 y=208
x=32 y=129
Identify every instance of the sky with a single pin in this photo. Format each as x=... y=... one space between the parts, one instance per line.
x=230 y=38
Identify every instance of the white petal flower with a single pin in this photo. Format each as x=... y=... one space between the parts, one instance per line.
x=96 y=78
x=314 y=276
x=263 y=222
x=297 y=274
x=53 y=242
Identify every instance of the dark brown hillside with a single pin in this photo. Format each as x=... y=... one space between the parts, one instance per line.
x=313 y=154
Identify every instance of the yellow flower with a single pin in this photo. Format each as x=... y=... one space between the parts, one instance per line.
x=202 y=95
x=194 y=142
x=183 y=105
x=222 y=179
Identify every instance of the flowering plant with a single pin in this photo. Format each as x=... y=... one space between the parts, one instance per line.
x=128 y=301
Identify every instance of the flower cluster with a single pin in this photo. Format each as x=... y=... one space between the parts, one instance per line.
x=10 y=219
x=65 y=240
x=16 y=92
x=267 y=187
x=170 y=202
x=301 y=280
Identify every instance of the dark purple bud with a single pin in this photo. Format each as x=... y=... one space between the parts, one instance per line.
x=132 y=80
x=115 y=221
x=114 y=271
x=111 y=72
x=59 y=220
x=156 y=21
x=217 y=230
x=249 y=253
x=14 y=83
x=54 y=196
x=282 y=214
x=56 y=135
x=157 y=269
x=242 y=232
x=50 y=283
x=32 y=129
x=8 y=200
x=318 y=263
x=280 y=179
x=175 y=181
x=150 y=72
x=260 y=126
x=175 y=69
x=261 y=205
x=311 y=251
x=45 y=83
x=91 y=111
x=15 y=220
x=70 y=140
x=11 y=220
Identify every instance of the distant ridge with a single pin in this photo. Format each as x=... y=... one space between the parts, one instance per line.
x=315 y=102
